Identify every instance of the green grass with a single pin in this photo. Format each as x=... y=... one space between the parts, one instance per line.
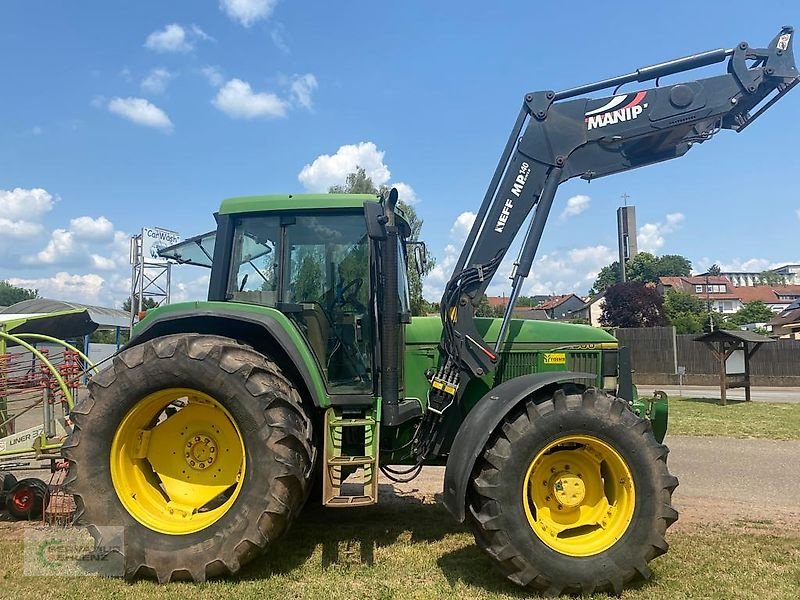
x=417 y=551
x=701 y=416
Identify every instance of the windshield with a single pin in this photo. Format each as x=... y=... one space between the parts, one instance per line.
x=316 y=269
x=254 y=273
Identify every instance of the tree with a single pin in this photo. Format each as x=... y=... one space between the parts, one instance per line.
x=487 y=310
x=633 y=304
x=358 y=182
x=147 y=304
x=714 y=270
x=643 y=268
x=674 y=265
x=686 y=312
x=608 y=276
x=752 y=312
x=11 y=294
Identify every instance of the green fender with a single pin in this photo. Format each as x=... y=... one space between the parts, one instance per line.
x=479 y=424
x=266 y=329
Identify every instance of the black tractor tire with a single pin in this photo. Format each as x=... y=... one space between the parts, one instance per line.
x=7 y=481
x=277 y=438
x=26 y=500
x=496 y=511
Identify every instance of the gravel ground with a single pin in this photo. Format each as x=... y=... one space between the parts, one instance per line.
x=721 y=480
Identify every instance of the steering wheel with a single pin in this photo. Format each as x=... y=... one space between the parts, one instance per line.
x=348 y=293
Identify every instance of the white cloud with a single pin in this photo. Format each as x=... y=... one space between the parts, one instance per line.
x=301 y=89
x=88 y=241
x=156 y=81
x=175 y=38
x=277 y=38
x=559 y=271
x=797 y=212
x=141 y=112
x=575 y=206
x=19 y=229
x=84 y=288
x=60 y=249
x=238 y=100
x=102 y=262
x=433 y=286
x=651 y=235
x=193 y=289
x=213 y=74
x=21 y=204
x=92 y=229
x=405 y=192
x=462 y=225
x=248 y=12
x=332 y=169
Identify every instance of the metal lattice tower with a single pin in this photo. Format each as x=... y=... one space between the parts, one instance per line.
x=151 y=275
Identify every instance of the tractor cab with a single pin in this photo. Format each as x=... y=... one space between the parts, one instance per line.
x=310 y=257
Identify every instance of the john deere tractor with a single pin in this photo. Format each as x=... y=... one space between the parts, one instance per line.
x=305 y=369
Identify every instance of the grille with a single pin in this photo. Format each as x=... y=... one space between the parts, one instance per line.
x=584 y=362
x=514 y=364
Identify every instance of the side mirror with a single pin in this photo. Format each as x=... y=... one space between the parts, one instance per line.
x=420 y=251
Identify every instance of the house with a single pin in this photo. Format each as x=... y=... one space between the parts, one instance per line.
x=561 y=307
x=497 y=301
x=722 y=296
x=789 y=273
x=530 y=314
x=592 y=310
x=787 y=324
x=777 y=297
x=716 y=290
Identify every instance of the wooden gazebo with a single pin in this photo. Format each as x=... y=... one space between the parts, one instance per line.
x=733 y=350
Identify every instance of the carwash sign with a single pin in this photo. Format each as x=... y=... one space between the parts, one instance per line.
x=154 y=240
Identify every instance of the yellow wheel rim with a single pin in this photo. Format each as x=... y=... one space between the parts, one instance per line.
x=579 y=495
x=177 y=461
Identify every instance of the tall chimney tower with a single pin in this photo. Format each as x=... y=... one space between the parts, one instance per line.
x=626 y=235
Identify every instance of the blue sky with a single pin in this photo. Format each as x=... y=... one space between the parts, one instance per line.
x=116 y=116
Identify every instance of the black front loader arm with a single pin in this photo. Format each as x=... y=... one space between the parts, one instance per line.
x=566 y=137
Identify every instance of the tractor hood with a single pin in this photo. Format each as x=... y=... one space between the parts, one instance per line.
x=428 y=330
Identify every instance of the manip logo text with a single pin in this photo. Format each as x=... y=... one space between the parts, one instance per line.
x=620 y=108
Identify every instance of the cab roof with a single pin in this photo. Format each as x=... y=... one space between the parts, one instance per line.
x=245 y=204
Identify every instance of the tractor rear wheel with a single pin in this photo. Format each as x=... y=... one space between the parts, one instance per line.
x=199 y=447
x=572 y=495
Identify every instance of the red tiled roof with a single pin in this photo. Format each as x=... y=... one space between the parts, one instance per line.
x=787 y=317
x=554 y=302
x=695 y=280
x=497 y=300
x=767 y=293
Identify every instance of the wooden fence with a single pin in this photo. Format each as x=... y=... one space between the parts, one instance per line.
x=657 y=350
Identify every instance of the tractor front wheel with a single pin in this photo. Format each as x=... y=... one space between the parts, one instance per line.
x=572 y=494
x=198 y=447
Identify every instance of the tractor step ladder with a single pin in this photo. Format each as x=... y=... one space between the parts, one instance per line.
x=339 y=464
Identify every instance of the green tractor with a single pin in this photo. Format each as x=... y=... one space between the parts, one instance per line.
x=305 y=371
